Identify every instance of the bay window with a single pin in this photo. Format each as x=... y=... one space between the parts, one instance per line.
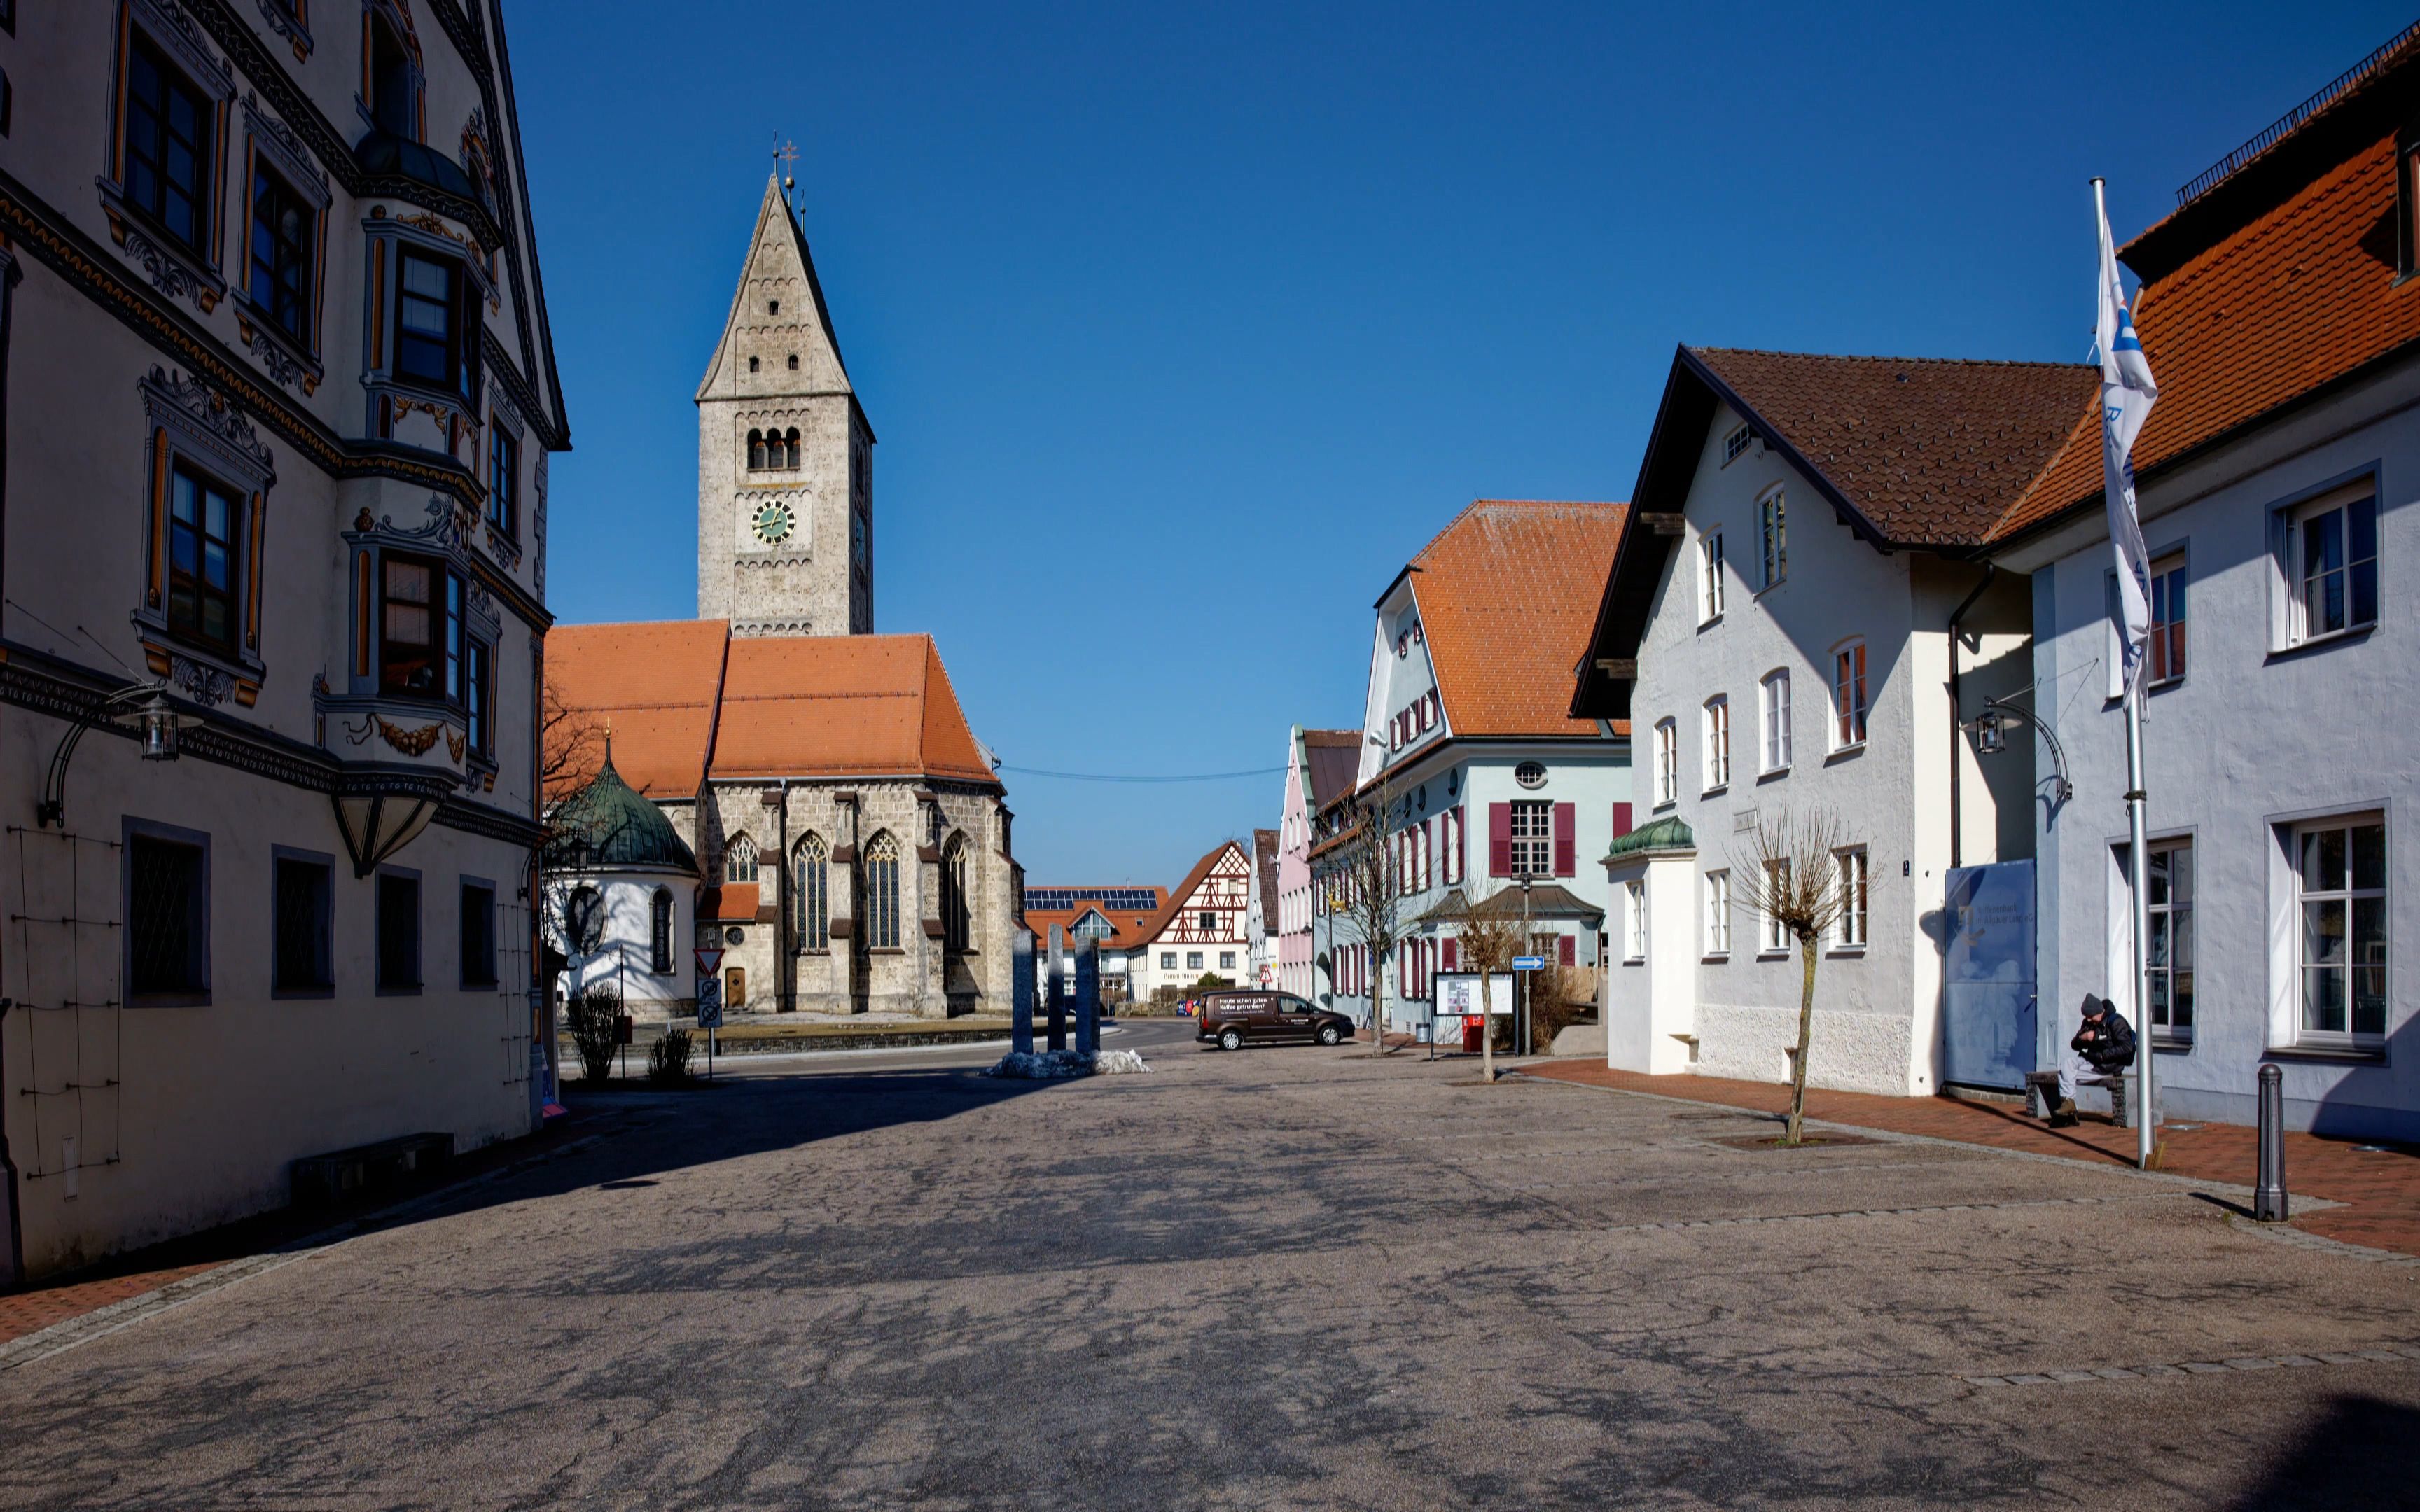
x=420 y=647
x=433 y=317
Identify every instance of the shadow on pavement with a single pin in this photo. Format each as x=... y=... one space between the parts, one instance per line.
x=2358 y=1451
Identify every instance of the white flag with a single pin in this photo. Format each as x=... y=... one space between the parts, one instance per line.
x=2127 y=393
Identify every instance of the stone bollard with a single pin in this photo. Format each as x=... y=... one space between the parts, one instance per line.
x=2269 y=1182
x=1020 y=996
x=1058 y=988
x=1088 y=998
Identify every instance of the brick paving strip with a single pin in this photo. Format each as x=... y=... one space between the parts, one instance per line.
x=2372 y=1193
x=37 y=1324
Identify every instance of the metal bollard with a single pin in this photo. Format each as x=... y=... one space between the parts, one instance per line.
x=2269 y=1186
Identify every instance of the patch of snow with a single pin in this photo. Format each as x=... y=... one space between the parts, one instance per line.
x=1049 y=1065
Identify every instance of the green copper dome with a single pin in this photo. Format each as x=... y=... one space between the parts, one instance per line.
x=605 y=826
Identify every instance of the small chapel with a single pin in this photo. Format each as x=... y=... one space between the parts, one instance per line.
x=839 y=840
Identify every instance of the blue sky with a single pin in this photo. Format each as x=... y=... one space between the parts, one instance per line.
x=1182 y=329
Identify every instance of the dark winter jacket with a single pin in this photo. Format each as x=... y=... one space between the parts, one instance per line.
x=2111 y=1048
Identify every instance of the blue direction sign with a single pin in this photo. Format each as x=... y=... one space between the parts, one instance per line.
x=1528 y=962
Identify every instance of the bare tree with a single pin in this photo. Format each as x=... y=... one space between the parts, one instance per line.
x=1792 y=876
x=1488 y=939
x=1362 y=868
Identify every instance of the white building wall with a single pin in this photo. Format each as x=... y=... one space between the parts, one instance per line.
x=1876 y=1018
x=2255 y=737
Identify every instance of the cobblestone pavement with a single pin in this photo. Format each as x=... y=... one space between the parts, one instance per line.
x=1287 y=1278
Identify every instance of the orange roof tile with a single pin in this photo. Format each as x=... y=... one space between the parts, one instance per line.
x=2269 y=287
x=1507 y=593
x=684 y=700
x=733 y=903
x=856 y=705
x=1126 y=927
x=651 y=688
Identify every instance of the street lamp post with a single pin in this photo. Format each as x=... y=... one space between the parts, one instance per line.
x=1524 y=976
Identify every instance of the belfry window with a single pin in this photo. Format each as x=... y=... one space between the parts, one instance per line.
x=755 y=451
x=790 y=448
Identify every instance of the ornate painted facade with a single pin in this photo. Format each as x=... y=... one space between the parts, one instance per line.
x=278 y=392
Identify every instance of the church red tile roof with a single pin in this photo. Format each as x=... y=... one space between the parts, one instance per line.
x=650 y=688
x=1507 y=593
x=685 y=702
x=2274 y=284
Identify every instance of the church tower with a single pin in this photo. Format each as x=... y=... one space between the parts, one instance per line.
x=784 y=457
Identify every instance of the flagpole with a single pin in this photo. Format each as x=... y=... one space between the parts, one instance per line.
x=2138 y=831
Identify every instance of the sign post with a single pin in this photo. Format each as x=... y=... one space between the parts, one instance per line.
x=710 y=999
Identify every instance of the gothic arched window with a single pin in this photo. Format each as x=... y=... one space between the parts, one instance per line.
x=659 y=930
x=955 y=917
x=755 y=451
x=583 y=920
x=740 y=860
x=882 y=893
x=813 y=872
x=791 y=445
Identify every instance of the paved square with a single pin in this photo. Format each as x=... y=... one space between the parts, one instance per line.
x=1285 y=1278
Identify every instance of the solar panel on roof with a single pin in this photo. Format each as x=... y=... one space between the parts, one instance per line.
x=1048 y=900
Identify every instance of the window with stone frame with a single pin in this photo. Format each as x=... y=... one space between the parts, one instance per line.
x=813 y=892
x=205 y=557
x=167 y=915
x=957 y=919
x=300 y=950
x=739 y=858
x=397 y=952
x=475 y=937
x=503 y=480
x=421 y=639
x=283 y=251
x=882 y=893
x=170 y=146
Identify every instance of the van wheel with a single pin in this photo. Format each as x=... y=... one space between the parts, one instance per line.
x=1328 y=1035
x=1230 y=1040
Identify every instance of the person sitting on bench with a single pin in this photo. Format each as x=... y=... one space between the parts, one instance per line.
x=2102 y=1051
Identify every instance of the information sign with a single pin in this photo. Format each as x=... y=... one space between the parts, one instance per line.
x=1528 y=962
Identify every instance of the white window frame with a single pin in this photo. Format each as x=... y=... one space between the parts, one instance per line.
x=1719 y=914
x=1710 y=577
x=1633 y=914
x=2168 y=595
x=1775 y=938
x=1736 y=444
x=1775 y=708
x=1530 y=832
x=2298 y=951
x=1849 y=686
x=1717 y=717
x=2166 y=918
x=1668 y=762
x=2297 y=628
x=1772 y=538
x=1850 y=933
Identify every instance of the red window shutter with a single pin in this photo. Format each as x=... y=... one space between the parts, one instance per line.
x=1566 y=819
x=1567 y=951
x=1621 y=820
x=1453 y=955
x=1500 y=840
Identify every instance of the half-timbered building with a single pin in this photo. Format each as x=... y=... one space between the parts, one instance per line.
x=1204 y=927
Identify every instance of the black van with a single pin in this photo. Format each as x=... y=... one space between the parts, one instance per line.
x=1229 y=1018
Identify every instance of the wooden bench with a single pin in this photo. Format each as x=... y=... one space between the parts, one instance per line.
x=321 y=1181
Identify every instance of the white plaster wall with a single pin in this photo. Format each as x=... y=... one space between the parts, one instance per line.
x=1876 y=1009
x=2246 y=740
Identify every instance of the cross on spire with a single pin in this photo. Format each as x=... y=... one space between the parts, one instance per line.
x=787 y=155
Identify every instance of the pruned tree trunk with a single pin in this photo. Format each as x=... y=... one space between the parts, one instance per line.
x=1486 y=1026
x=1378 y=1003
x=1806 y=1034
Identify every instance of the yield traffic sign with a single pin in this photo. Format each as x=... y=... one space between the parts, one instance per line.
x=709 y=960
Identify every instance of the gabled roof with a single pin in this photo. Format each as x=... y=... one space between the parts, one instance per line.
x=844 y=705
x=685 y=702
x=1910 y=453
x=1264 y=864
x=652 y=689
x=1917 y=452
x=1330 y=758
x=1183 y=892
x=1506 y=592
x=1126 y=925
x=781 y=253
x=2267 y=290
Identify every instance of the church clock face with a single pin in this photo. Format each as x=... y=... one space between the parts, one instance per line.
x=773 y=522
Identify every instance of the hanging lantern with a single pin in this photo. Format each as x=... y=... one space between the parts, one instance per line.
x=379 y=823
